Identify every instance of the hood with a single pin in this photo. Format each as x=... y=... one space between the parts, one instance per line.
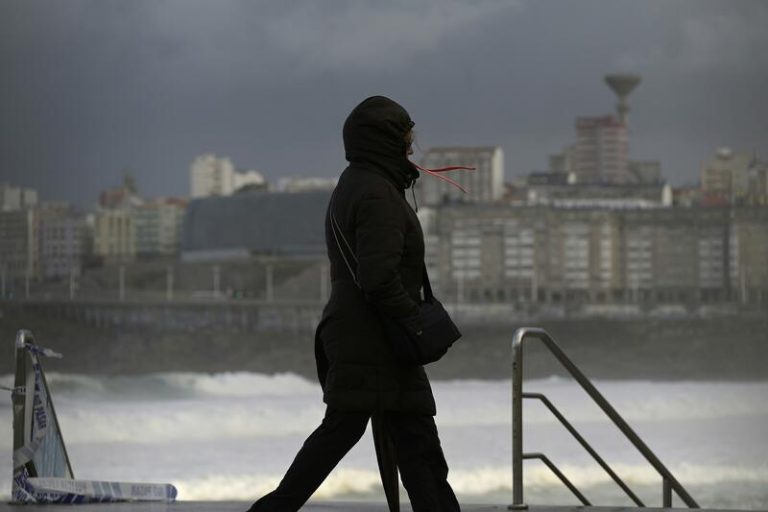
x=374 y=133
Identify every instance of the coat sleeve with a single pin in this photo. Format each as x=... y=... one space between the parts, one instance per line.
x=380 y=237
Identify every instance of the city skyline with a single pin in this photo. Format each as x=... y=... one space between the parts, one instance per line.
x=99 y=88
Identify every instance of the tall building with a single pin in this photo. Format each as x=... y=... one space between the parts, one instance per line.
x=725 y=178
x=602 y=151
x=212 y=176
x=484 y=185
x=16 y=198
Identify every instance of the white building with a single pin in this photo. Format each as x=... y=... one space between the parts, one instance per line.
x=213 y=176
x=483 y=185
x=16 y=198
x=63 y=245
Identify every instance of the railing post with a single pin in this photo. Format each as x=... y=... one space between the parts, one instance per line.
x=666 y=493
x=517 y=423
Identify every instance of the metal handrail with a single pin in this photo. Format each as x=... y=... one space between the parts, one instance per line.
x=557 y=414
x=670 y=483
x=559 y=474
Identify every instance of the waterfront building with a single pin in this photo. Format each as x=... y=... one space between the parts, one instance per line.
x=114 y=234
x=483 y=185
x=597 y=254
x=63 y=244
x=158 y=226
x=255 y=223
x=19 y=245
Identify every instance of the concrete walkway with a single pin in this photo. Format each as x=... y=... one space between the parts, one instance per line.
x=239 y=506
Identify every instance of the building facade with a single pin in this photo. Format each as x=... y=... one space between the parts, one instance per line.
x=602 y=151
x=158 y=226
x=484 y=185
x=212 y=176
x=19 y=244
x=63 y=245
x=114 y=234
x=600 y=255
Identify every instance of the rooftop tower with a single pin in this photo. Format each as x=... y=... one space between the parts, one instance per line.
x=622 y=84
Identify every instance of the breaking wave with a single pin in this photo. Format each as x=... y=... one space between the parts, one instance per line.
x=230 y=436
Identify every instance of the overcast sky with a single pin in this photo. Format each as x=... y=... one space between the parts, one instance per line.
x=91 y=88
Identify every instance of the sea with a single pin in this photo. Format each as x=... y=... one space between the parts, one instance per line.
x=231 y=436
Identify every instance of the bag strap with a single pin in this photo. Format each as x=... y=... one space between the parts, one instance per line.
x=428 y=295
x=337 y=233
x=338 y=236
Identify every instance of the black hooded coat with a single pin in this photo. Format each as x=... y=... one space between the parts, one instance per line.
x=355 y=363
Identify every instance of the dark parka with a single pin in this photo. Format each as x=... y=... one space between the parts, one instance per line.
x=355 y=363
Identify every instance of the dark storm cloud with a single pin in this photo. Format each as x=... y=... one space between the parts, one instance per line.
x=89 y=88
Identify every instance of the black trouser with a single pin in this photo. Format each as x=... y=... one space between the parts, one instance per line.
x=420 y=459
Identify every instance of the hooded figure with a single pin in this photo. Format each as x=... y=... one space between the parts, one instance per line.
x=356 y=366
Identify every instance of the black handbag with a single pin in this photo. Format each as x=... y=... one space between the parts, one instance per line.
x=417 y=340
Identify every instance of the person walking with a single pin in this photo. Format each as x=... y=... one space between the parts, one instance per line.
x=359 y=374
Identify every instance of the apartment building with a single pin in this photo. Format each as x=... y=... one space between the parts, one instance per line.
x=483 y=185
x=511 y=253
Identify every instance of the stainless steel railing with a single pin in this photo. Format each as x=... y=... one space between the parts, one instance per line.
x=669 y=482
